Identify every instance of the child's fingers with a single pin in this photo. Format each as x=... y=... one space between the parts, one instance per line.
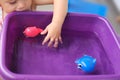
x=45 y=40
x=44 y=32
x=50 y=42
x=56 y=43
x=60 y=39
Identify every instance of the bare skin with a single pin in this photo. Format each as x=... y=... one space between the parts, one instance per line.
x=118 y=19
x=53 y=30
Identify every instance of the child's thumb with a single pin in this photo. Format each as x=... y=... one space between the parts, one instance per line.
x=44 y=32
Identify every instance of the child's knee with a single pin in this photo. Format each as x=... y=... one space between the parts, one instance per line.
x=118 y=19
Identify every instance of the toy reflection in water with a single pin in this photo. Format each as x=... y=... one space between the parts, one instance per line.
x=86 y=63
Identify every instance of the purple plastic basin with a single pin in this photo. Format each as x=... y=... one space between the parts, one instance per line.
x=24 y=58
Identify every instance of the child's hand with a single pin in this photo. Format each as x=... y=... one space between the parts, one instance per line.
x=53 y=32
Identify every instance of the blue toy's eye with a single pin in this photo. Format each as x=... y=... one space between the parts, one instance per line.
x=79 y=66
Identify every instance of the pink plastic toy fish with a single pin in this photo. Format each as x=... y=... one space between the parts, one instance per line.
x=32 y=31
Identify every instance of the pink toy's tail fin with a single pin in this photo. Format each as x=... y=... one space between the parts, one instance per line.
x=40 y=30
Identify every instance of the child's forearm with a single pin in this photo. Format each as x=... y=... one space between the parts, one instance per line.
x=60 y=11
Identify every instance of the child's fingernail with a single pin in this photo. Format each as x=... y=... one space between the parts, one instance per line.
x=41 y=33
x=42 y=43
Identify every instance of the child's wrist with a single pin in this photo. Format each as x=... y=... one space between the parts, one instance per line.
x=58 y=23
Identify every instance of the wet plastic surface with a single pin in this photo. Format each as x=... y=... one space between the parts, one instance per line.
x=25 y=58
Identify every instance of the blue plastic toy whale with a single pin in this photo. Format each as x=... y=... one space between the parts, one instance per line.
x=86 y=63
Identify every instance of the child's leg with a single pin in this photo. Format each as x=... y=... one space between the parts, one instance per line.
x=118 y=19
